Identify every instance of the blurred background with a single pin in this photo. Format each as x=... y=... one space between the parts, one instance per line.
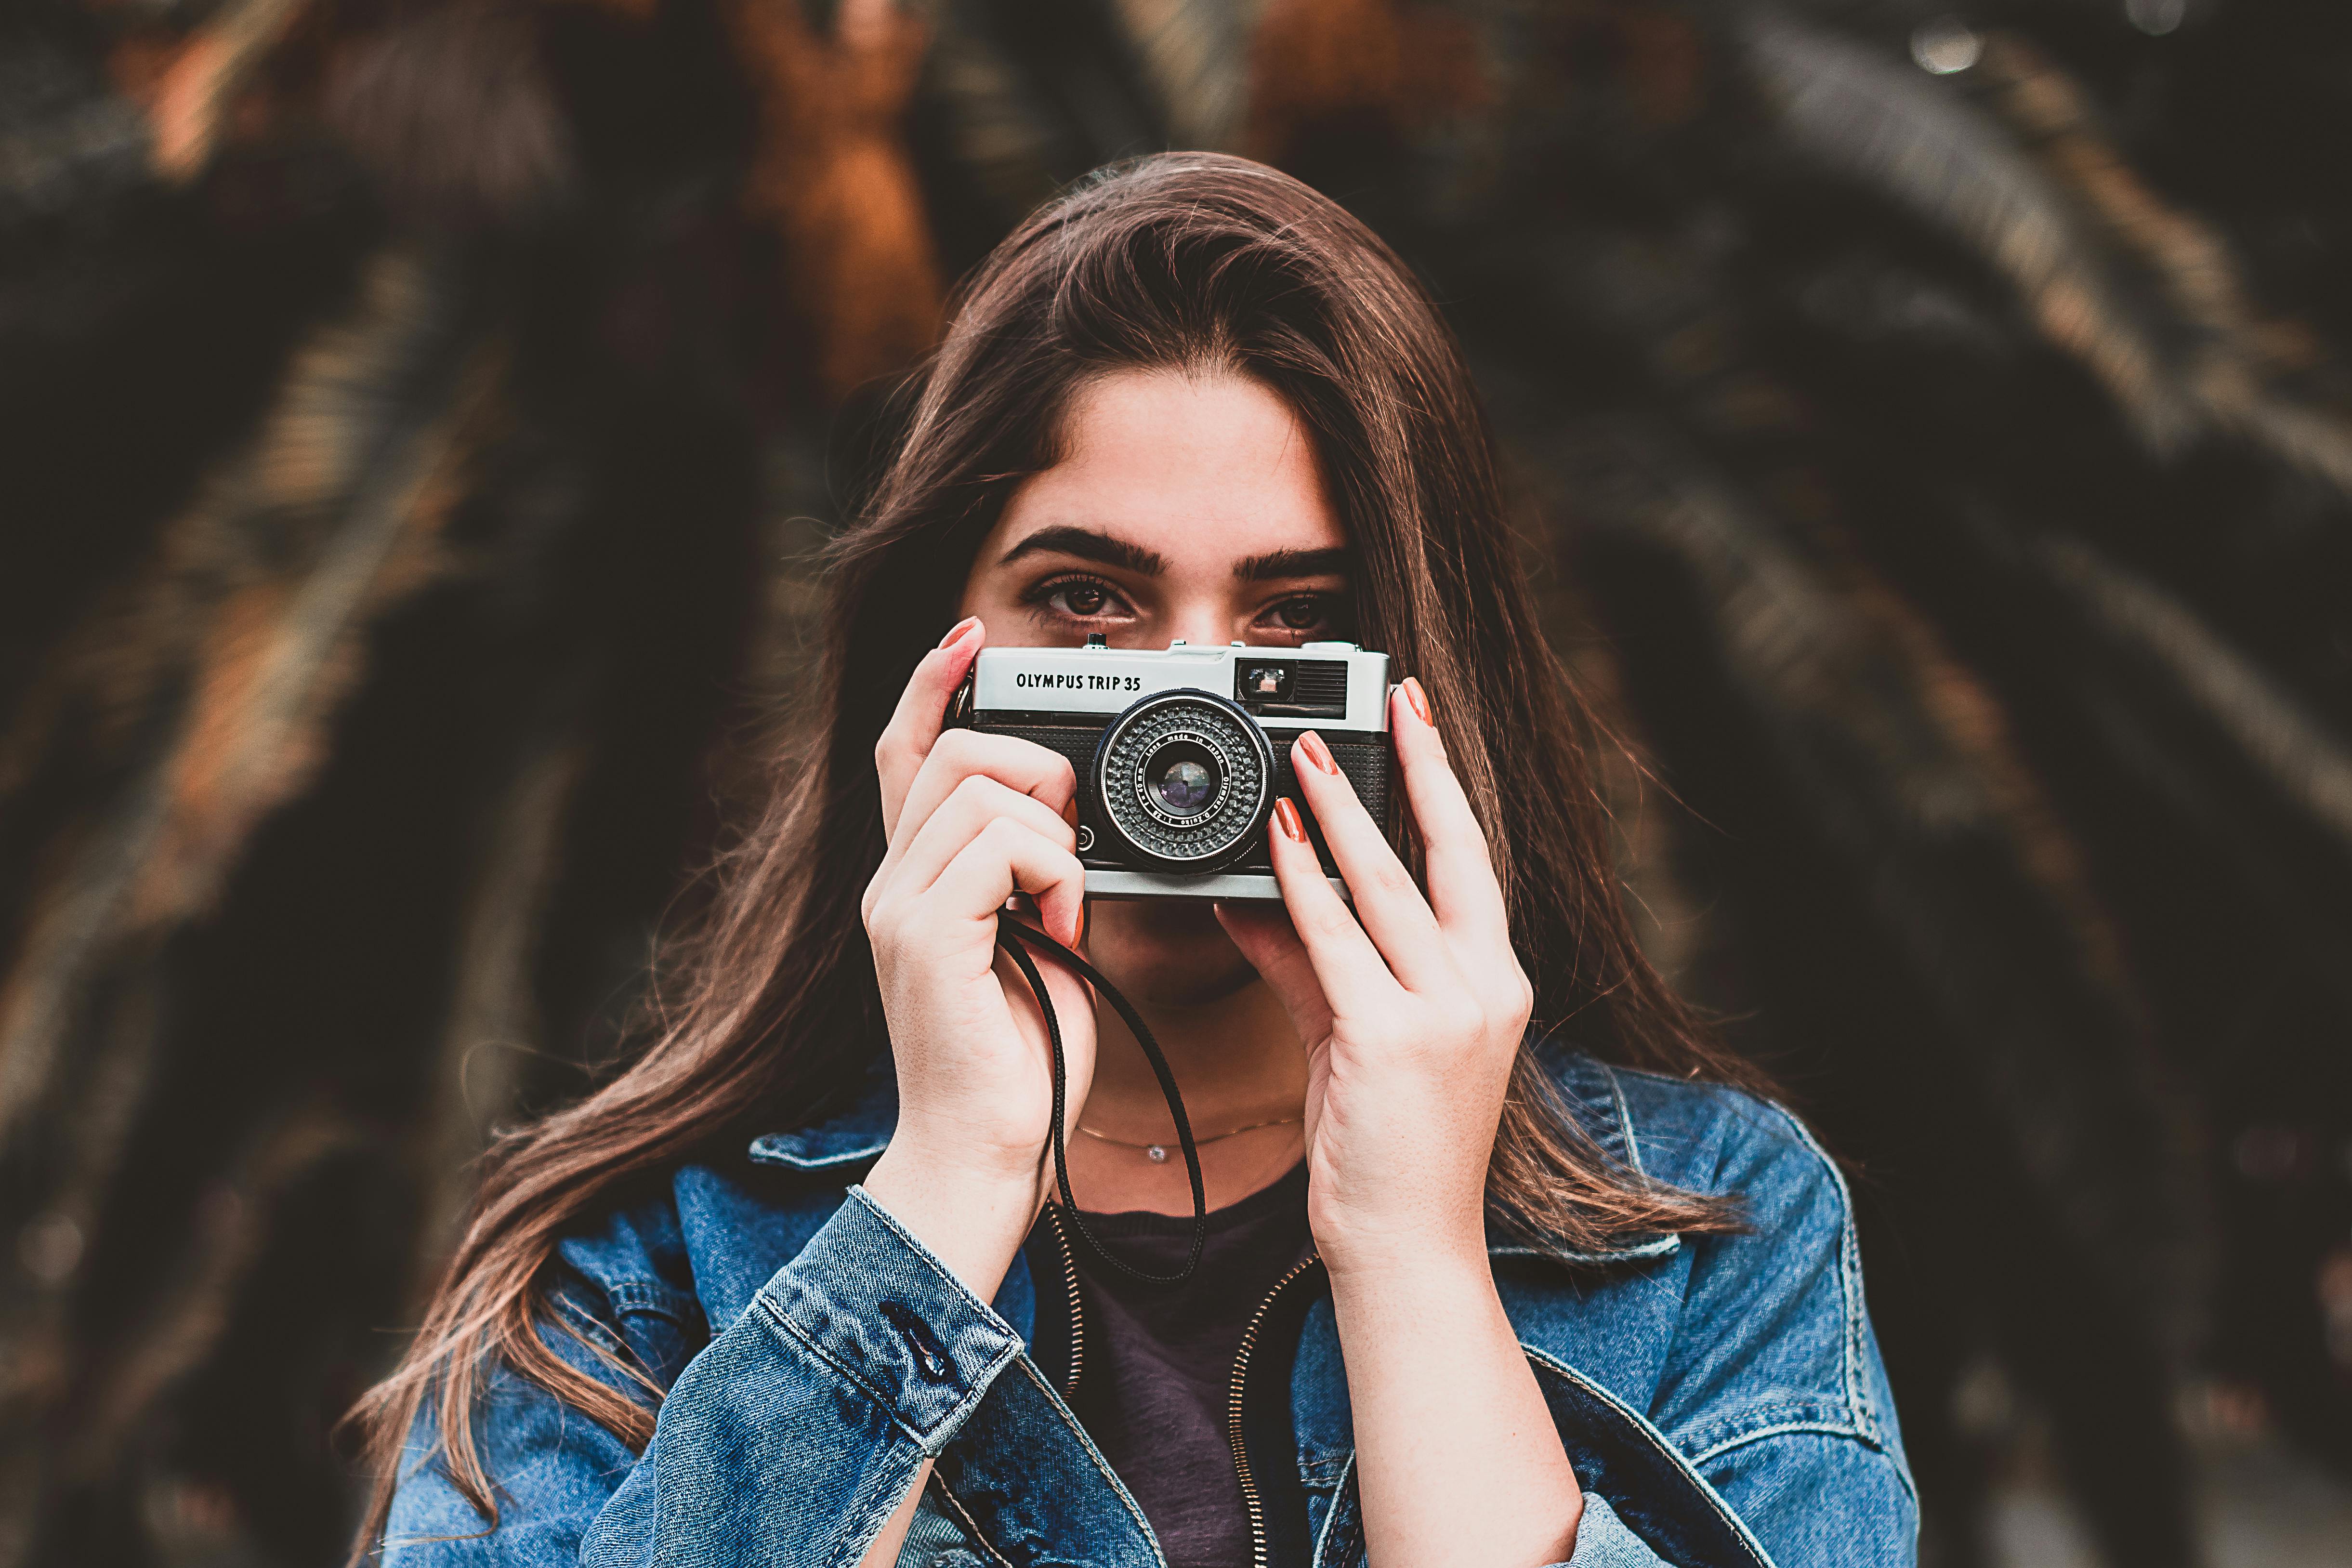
x=1931 y=426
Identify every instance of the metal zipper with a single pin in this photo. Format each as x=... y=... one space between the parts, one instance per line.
x=1077 y=1324
x=1261 y=1549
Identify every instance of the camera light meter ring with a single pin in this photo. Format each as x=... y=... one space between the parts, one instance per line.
x=1185 y=779
x=1168 y=770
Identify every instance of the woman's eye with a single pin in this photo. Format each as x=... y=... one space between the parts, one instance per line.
x=1082 y=598
x=1307 y=617
x=1303 y=614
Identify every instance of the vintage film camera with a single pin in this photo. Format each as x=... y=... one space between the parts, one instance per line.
x=1182 y=753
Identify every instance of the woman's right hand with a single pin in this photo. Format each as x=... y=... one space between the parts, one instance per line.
x=973 y=820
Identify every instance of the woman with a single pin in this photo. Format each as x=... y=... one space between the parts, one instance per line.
x=1474 y=1291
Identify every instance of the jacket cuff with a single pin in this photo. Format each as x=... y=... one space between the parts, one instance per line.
x=1603 y=1541
x=882 y=1309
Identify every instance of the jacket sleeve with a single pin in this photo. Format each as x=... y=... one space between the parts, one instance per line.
x=789 y=1439
x=1603 y=1542
x=1774 y=1391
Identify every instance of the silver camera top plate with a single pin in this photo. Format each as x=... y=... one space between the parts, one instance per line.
x=1323 y=686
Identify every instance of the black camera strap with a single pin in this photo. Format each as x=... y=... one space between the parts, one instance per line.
x=1016 y=937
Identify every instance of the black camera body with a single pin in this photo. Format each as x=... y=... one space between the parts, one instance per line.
x=1180 y=753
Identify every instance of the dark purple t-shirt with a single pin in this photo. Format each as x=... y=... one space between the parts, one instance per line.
x=1158 y=1359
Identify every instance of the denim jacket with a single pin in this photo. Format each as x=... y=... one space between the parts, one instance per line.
x=1720 y=1397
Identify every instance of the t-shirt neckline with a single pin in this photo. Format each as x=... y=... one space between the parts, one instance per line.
x=1283 y=1192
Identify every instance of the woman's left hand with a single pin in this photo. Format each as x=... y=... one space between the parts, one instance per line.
x=1412 y=1009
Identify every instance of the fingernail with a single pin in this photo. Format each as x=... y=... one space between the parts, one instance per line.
x=955 y=632
x=1419 y=698
x=1317 y=752
x=1286 y=815
x=1070 y=811
x=1080 y=939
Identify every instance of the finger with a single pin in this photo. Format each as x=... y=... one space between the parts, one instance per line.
x=918 y=860
x=1007 y=858
x=1270 y=942
x=1387 y=903
x=1023 y=766
x=1463 y=888
x=1355 y=979
x=914 y=726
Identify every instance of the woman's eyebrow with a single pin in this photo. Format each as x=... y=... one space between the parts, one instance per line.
x=1293 y=563
x=1086 y=544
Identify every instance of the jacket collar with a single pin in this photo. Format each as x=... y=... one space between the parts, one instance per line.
x=851 y=1136
x=1594 y=1097
x=859 y=1131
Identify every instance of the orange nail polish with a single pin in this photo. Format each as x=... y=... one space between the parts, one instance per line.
x=1286 y=817
x=1317 y=752
x=955 y=632
x=1419 y=698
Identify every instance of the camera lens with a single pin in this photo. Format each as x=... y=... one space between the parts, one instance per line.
x=1183 y=780
x=1183 y=775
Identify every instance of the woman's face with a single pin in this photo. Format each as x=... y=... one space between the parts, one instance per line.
x=1186 y=506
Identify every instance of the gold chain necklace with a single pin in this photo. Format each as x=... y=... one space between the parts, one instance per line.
x=1158 y=1152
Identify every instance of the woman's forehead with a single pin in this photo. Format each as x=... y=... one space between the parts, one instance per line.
x=1195 y=468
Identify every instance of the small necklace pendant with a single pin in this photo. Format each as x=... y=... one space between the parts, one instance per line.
x=1156 y=1154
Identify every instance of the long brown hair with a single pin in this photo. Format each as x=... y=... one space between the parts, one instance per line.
x=1190 y=262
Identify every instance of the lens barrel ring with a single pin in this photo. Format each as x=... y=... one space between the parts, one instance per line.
x=1153 y=756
